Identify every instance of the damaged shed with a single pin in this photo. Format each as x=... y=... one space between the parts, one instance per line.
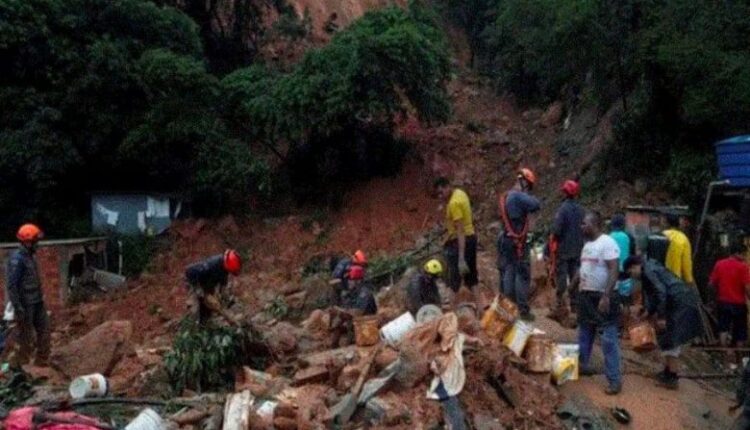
x=135 y=213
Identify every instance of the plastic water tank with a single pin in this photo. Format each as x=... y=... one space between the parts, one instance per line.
x=733 y=156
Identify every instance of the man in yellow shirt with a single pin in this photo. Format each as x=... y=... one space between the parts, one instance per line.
x=679 y=258
x=460 y=249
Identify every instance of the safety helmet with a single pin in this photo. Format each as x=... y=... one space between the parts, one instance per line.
x=356 y=273
x=232 y=262
x=570 y=188
x=433 y=267
x=29 y=233
x=359 y=258
x=527 y=174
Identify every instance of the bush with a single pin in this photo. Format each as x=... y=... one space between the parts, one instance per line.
x=204 y=358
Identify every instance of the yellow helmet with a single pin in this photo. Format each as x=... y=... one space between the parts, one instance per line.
x=433 y=267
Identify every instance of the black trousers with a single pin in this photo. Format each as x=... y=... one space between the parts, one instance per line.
x=450 y=252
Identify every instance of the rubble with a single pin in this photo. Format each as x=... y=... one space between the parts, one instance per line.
x=99 y=351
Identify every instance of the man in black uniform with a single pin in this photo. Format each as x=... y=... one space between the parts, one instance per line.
x=205 y=281
x=423 y=290
x=24 y=291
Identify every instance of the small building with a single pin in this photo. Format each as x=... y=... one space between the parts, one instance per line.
x=61 y=263
x=135 y=213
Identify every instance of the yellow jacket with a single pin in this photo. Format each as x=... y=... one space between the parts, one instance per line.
x=679 y=255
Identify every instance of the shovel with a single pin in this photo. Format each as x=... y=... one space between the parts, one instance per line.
x=342 y=411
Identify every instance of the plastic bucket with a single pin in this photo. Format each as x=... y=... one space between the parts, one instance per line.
x=366 y=330
x=539 y=354
x=494 y=325
x=94 y=385
x=395 y=330
x=565 y=363
x=428 y=313
x=642 y=336
x=517 y=337
x=148 y=419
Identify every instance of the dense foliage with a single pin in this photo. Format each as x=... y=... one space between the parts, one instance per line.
x=204 y=358
x=680 y=70
x=98 y=94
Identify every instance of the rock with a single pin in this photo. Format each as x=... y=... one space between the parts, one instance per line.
x=296 y=300
x=348 y=377
x=311 y=375
x=333 y=357
x=99 y=351
x=260 y=384
x=552 y=115
x=284 y=423
x=385 y=412
x=318 y=324
x=317 y=291
x=282 y=337
x=287 y=410
x=386 y=356
x=487 y=422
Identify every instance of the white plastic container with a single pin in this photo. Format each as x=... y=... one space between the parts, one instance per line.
x=148 y=419
x=517 y=337
x=94 y=385
x=394 y=331
x=428 y=313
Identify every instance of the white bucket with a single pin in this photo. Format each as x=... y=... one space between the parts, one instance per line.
x=517 y=337
x=148 y=419
x=428 y=313
x=94 y=385
x=395 y=330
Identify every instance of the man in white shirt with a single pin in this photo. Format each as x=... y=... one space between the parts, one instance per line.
x=598 y=306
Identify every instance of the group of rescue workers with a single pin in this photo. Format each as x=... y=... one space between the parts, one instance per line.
x=593 y=269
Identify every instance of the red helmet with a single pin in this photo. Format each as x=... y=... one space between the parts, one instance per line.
x=359 y=258
x=29 y=233
x=356 y=273
x=570 y=188
x=232 y=262
x=527 y=174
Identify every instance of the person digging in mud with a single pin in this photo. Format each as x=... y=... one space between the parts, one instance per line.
x=24 y=291
x=673 y=308
x=422 y=289
x=566 y=243
x=598 y=303
x=207 y=281
x=358 y=300
x=460 y=250
x=340 y=273
x=516 y=208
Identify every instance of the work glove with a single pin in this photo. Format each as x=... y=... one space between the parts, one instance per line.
x=463 y=268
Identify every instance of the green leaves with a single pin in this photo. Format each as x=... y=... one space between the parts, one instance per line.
x=204 y=358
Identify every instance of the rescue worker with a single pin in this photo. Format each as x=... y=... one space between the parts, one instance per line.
x=673 y=308
x=516 y=207
x=207 y=281
x=460 y=249
x=598 y=306
x=679 y=259
x=730 y=279
x=566 y=243
x=24 y=290
x=423 y=289
x=626 y=244
x=340 y=272
x=358 y=299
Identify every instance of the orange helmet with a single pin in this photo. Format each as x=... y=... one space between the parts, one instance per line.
x=232 y=262
x=528 y=175
x=570 y=188
x=359 y=258
x=356 y=273
x=29 y=233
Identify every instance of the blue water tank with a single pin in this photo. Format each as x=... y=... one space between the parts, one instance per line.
x=733 y=156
